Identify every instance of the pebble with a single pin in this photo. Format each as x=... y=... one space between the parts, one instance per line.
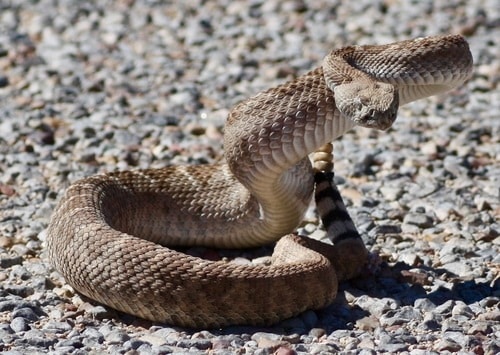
x=376 y=307
x=459 y=268
x=431 y=322
x=317 y=332
x=401 y=316
x=419 y=219
x=26 y=313
x=448 y=345
x=19 y=324
x=424 y=304
x=95 y=89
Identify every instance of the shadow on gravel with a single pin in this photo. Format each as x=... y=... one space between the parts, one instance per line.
x=405 y=286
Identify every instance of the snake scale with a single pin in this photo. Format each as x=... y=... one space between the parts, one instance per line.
x=113 y=236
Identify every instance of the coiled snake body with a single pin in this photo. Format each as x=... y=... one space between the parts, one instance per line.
x=109 y=235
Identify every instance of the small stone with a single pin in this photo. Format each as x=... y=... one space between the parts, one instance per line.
x=201 y=344
x=6 y=262
x=388 y=229
x=457 y=336
x=320 y=348
x=317 y=332
x=418 y=219
x=354 y=195
x=482 y=204
x=376 y=307
x=97 y=312
x=240 y=261
x=20 y=272
x=407 y=228
x=367 y=323
x=430 y=322
x=493 y=315
x=391 y=193
x=462 y=309
x=93 y=335
x=429 y=148
x=445 y=308
x=283 y=350
x=448 y=345
x=263 y=260
x=451 y=325
x=459 y=268
x=69 y=343
x=391 y=343
x=8 y=191
x=117 y=337
x=26 y=313
x=480 y=328
x=410 y=259
x=366 y=344
x=444 y=210
x=16 y=303
x=394 y=348
x=424 y=304
x=401 y=316
x=415 y=276
x=453 y=165
x=221 y=344
x=153 y=339
x=5 y=242
x=57 y=327
x=36 y=338
x=292 y=338
x=19 y=290
x=19 y=324
x=489 y=302
x=268 y=340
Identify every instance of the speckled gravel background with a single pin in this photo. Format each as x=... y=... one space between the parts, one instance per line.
x=94 y=86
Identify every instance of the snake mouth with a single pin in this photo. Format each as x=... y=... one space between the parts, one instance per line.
x=377 y=120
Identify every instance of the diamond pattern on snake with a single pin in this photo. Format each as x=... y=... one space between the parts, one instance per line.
x=113 y=236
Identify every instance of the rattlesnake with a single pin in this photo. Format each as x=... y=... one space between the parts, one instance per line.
x=110 y=233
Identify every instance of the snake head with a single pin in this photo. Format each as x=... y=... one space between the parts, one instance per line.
x=367 y=103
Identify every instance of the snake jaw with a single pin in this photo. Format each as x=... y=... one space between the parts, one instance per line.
x=378 y=120
x=372 y=106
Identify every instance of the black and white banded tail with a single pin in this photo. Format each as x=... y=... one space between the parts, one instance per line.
x=331 y=208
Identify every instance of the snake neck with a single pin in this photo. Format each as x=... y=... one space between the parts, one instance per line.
x=267 y=142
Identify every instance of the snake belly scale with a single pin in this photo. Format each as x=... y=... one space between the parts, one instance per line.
x=112 y=235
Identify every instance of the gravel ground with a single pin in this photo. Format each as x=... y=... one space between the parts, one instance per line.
x=94 y=86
